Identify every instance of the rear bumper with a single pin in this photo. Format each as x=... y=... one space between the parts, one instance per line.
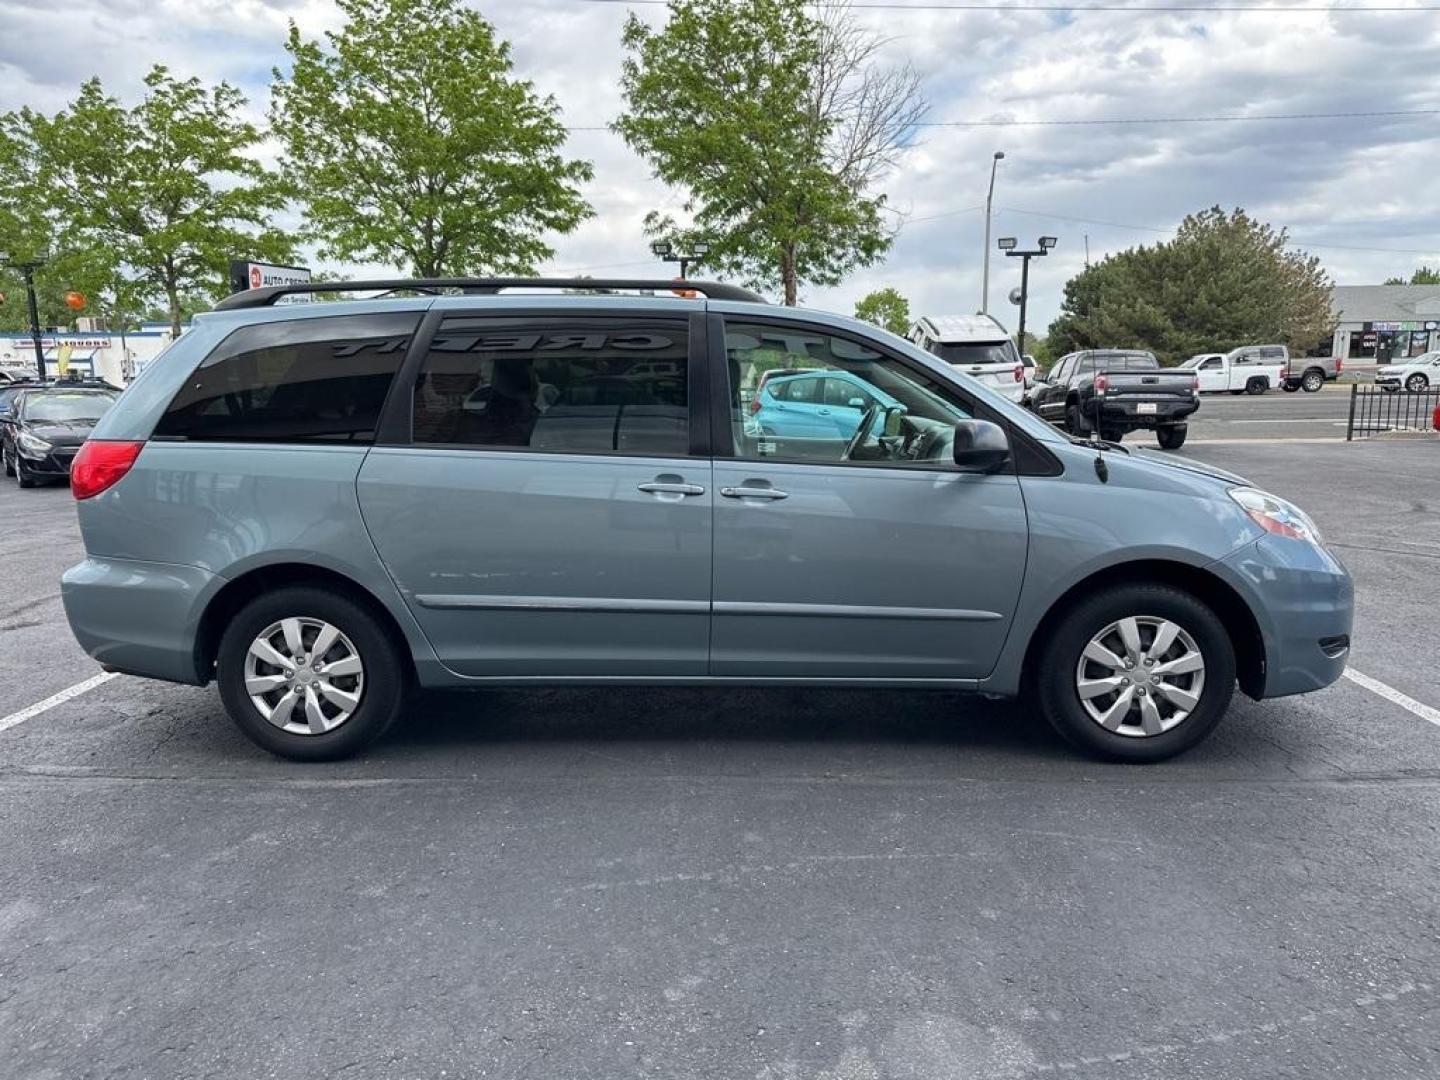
x=141 y=618
x=1125 y=413
x=1304 y=601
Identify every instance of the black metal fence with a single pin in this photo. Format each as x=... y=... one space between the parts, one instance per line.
x=1375 y=410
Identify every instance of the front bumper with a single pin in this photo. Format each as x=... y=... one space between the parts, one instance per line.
x=56 y=463
x=142 y=618
x=1304 y=602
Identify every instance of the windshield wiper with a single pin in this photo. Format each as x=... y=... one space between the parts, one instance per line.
x=1099 y=444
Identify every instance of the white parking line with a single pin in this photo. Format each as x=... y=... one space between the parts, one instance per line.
x=55 y=699
x=1389 y=693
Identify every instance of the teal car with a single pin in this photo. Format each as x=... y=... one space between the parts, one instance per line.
x=819 y=404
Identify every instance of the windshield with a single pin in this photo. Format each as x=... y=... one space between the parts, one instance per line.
x=976 y=352
x=59 y=408
x=1195 y=361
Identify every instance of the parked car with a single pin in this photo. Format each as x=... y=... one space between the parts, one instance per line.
x=977 y=345
x=819 y=404
x=1414 y=375
x=1249 y=370
x=297 y=503
x=39 y=438
x=1116 y=391
x=1310 y=373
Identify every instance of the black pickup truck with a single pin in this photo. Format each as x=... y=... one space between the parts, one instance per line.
x=1114 y=391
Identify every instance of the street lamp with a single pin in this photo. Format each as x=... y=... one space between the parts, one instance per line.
x=27 y=268
x=665 y=252
x=985 y=271
x=1007 y=245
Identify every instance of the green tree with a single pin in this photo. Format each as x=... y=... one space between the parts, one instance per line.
x=1423 y=276
x=410 y=143
x=1224 y=280
x=886 y=308
x=778 y=125
x=161 y=194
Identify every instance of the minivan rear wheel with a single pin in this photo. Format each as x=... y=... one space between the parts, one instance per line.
x=1137 y=673
x=309 y=675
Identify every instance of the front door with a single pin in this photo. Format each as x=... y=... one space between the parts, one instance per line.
x=1213 y=375
x=868 y=557
x=547 y=517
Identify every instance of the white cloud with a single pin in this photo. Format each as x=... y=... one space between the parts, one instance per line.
x=1351 y=183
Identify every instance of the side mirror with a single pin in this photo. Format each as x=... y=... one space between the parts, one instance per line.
x=980 y=446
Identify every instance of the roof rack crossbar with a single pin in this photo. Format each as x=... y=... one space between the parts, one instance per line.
x=268 y=294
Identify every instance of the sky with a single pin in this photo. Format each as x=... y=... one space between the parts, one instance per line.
x=1363 y=193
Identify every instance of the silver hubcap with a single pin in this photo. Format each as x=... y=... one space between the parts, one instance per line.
x=1140 y=676
x=304 y=676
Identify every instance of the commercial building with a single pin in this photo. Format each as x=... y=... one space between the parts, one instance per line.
x=100 y=353
x=1385 y=323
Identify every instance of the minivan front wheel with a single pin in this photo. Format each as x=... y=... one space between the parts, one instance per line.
x=309 y=675
x=1137 y=673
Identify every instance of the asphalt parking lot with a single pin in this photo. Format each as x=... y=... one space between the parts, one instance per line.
x=773 y=884
x=1272 y=415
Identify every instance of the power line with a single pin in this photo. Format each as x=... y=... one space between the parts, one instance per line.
x=1167 y=232
x=1149 y=9
x=1135 y=120
x=1180 y=119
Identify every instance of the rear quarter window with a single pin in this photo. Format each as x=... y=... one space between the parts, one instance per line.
x=301 y=380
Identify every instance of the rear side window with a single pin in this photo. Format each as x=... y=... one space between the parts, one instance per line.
x=1272 y=352
x=302 y=380
x=578 y=385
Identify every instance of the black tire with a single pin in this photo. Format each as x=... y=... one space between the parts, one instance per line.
x=1313 y=380
x=1389 y=389
x=1060 y=655
x=1290 y=386
x=1416 y=383
x=385 y=673
x=1172 y=438
x=9 y=469
x=1075 y=421
x=1237 y=393
x=23 y=477
x=1257 y=385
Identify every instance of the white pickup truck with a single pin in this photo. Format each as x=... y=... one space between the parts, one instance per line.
x=977 y=345
x=1250 y=369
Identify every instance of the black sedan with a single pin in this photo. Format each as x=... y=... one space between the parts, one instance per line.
x=43 y=427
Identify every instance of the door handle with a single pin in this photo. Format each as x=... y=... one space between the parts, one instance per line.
x=753 y=491
x=660 y=486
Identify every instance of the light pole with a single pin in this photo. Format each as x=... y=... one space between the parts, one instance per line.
x=985 y=271
x=665 y=252
x=27 y=268
x=1007 y=245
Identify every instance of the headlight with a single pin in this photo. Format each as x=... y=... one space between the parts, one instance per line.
x=33 y=444
x=1275 y=515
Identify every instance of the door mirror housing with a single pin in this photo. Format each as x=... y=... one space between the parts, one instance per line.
x=980 y=446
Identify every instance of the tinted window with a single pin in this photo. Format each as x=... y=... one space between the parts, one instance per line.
x=840 y=393
x=909 y=417
x=301 y=380
x=614 y=385
x=1126 y=362
x=1272 y=352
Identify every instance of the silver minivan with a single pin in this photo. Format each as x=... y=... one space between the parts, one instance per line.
x=322 y=506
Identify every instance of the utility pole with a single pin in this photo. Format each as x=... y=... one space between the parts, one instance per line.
x=1007 y=245
x=1087 y=251
x=985 y=264
x=27 y=268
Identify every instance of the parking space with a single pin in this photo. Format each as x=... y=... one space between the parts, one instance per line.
x=779 y=884
x=1273 y=415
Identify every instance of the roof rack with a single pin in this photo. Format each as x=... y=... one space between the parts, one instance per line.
x=268 y=294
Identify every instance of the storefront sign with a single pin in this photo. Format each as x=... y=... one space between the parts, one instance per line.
x=252 y=275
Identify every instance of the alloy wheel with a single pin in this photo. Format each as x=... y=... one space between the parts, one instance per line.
x=1415 y=383
x=304 y=676
x=1140 y=676
x=1313 y=381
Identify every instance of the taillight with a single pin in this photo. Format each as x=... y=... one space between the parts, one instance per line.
x=755 y=403
x=100 y=464
x=1102 y=382
x=1195 y=385
x=1019 y=372
x=1339 y=365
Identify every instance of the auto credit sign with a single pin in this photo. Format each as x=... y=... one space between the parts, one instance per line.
x=252 y=275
